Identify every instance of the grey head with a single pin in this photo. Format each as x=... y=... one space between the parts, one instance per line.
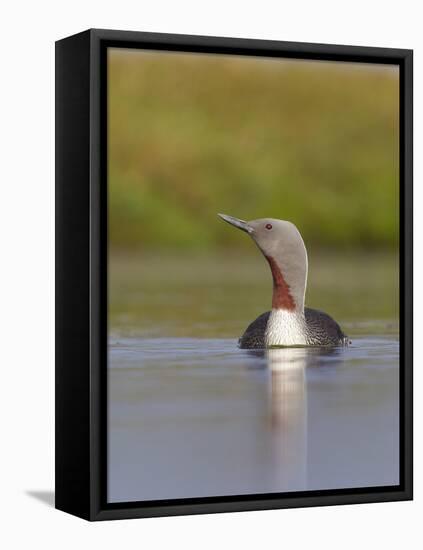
x=283 y=247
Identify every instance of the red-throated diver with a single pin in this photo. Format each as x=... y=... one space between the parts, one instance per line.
x=289 y=323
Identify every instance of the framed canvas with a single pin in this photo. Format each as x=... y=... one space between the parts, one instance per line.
x=196 y=372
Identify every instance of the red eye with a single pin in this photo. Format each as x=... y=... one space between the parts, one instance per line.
x=268 y=226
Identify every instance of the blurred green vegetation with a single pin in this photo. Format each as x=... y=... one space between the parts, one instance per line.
x=192 y=135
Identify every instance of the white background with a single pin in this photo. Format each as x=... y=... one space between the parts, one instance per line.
x=29 y=30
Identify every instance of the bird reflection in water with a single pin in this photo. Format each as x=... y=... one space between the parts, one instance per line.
x=288 y=416
x=288 y=411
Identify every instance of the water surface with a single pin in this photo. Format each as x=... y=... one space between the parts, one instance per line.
x=192 y=418
x=191 y=415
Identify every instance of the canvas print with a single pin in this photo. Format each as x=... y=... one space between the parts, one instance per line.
x=253 y=275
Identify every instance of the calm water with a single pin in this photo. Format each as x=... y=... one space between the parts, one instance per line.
x=191 y=415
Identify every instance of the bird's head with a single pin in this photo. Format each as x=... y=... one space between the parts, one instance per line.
x=283 y=247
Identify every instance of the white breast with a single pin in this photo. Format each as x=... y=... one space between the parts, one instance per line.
x=285 y=328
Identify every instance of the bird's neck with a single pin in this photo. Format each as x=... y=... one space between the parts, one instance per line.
x=288 y=287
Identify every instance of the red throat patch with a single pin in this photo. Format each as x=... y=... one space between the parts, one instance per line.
x=282 y=297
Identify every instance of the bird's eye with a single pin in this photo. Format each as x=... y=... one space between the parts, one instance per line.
x=268 y=226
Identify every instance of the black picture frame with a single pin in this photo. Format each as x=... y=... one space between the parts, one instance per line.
x=81 y=273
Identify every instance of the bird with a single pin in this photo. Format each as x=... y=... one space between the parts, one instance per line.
x=289 y=323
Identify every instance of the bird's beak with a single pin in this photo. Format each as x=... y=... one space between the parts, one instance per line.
x=241 y=224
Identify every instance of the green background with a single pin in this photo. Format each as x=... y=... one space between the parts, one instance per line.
x=191 y=135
